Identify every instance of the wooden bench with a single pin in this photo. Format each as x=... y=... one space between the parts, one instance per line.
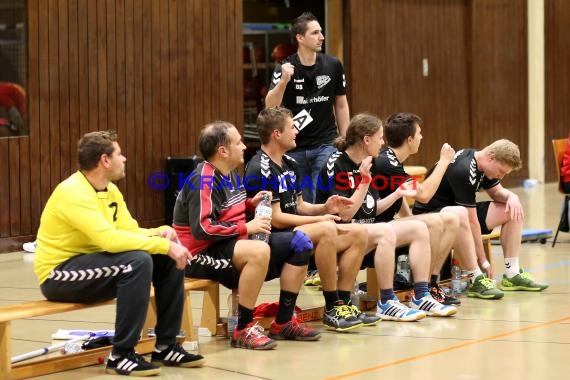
x=487 y=243
x=34 y=367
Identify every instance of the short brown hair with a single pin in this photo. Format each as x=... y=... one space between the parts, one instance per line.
x=92 y=146
x=300 y=24
x=271 y=119
x=399 y=127
x=212 y=136
x=506 y=152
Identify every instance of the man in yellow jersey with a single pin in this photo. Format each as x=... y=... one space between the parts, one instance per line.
x=90 y=249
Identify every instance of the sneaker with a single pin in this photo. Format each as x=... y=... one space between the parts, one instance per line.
x=483 y=287
x=176 y=356
x=132 y=364
x=30 y=246
x=366 y=319
x=252 y=338
x=432 y=307
x=439 y=295
x=522 y=281
x=341 y=318
x=293 y=330
x=312 y=278
x=393 y=310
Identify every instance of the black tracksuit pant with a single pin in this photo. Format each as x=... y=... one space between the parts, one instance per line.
x=127 y=276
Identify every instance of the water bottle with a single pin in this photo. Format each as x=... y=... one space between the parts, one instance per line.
x=355 y=295
x=263 y=209
x=233 y=301
x=455 y=279
x=403 y=267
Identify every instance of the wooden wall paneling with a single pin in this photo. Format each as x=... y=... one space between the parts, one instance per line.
x=557 y=77
x=54 y=91
x=206 y=69
x=128 y=83
x=119 y=74
x=146 y=125
x=221 y=97
x=151 y=70
x=196 y=99
x=5 y=189
x=92 y=61
x=236 y=18
x=33 y=113
x=24 y=187
x=101 y=62
x=65 y=147
x=390 y=38
x=173 y=59
x=74 y=83
x=182 y=42
x=445 y=100
x=155 y=90
x=109 y=56
x=139 y=59
x=44 y=96
x=13 y=176
x=499 y=76
x=83 y=54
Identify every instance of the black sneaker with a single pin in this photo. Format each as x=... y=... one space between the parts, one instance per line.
x=176 y=356
x=341 y=318
x=439 y=295
x=132 y=364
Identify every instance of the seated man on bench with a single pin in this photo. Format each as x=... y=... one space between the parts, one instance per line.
x=403 y=134
x=209 y=217
x=472 y=170
x=90 y=250
x=336 y=245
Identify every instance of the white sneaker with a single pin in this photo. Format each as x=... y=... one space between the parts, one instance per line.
x=30 y=246
x=433 y=308
x=393 y=310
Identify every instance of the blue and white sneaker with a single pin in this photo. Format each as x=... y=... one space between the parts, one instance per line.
x=431 y=307
x=393 y=310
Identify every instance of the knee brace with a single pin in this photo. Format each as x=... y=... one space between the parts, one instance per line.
x=302 y=248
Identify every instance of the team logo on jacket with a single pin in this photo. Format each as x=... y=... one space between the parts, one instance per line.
x=322 y=81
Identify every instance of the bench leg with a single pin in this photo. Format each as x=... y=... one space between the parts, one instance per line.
x=211 y=308
x=5 y=350
x=150 y=321
x=187 y=321
x=372 y=283
x=487 y=249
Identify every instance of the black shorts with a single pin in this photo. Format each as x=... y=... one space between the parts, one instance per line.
x=482 y=210
x=368 y=261
x=215 y=262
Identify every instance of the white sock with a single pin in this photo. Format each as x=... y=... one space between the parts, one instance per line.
x=474 y=273
x=160 y=347
x=511 y=266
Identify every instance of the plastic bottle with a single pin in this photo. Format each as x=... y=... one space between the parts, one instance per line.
x=263 y=209
x=355 y=295
x=403 y=267
x=233 y=301
x=455 y=279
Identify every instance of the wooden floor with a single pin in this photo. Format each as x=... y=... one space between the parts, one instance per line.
x=523 y=336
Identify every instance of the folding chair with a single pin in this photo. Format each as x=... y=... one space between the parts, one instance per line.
x=558 y=146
